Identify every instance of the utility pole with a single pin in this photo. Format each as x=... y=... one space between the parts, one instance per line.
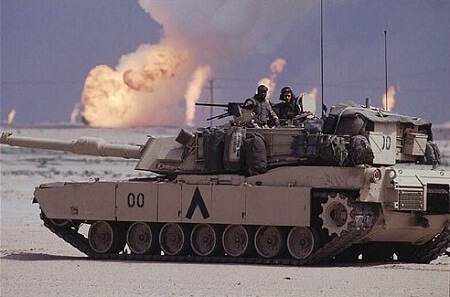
x=321 y=58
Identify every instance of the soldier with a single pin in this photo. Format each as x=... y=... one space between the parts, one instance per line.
x=264 y=116
x=290 y=108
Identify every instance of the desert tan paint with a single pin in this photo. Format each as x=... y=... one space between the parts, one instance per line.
x=280 y=197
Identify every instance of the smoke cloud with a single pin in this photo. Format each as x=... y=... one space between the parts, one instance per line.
x=76 y=112
x=147 y=87
x=199 y=78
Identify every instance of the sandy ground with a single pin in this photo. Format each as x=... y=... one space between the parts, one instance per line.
x=34 y=262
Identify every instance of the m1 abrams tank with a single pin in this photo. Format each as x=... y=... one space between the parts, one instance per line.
x=341 y=188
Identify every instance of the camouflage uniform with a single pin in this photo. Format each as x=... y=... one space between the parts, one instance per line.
x=288 y=110
x=264 y=114
x=290 y=107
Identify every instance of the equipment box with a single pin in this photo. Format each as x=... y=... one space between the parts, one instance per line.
x=415 y=144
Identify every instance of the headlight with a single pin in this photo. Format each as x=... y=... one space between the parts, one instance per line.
x=373 y=175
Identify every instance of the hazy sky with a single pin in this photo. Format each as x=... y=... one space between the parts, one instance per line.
x=49 y=46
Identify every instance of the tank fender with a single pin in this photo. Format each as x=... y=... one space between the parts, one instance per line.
x=74 y=200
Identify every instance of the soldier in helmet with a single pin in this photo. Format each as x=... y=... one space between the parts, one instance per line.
x=264 y=116
x=290 y=108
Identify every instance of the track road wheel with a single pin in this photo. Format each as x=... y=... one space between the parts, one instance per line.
x=141 y=238
x=204 y=240
x=236 y=240
x=106 y=238
x=269 y=241
x=173 y=239
x=301 y=242
x=60 y=222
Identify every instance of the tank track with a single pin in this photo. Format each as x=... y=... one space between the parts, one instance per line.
x=321 y=256
x=69 y=235
x=434 y=248
x=428 y=252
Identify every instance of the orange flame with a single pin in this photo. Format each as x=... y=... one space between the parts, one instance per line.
x=390 y=97
x=11 y=116
x=125 y=97
x=314 y=93
x=276 y=67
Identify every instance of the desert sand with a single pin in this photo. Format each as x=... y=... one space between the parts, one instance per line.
x=34 y=262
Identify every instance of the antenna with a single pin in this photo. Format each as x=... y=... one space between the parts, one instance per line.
x=385 y=69
x=211 y=89
x=321 y=55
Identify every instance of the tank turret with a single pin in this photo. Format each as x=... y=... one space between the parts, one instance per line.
x=350 y=135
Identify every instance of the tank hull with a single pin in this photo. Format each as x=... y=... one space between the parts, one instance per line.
x=311 y=216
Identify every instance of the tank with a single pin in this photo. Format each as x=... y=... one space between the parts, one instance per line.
x=360 y=184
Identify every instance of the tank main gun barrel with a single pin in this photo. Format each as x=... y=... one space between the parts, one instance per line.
x=82 y=146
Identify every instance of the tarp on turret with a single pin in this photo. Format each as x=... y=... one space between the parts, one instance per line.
x=374 y=114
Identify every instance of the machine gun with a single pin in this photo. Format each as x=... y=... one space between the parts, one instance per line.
x=233 y=109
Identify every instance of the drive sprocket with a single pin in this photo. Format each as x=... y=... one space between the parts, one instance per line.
x=337 y=213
